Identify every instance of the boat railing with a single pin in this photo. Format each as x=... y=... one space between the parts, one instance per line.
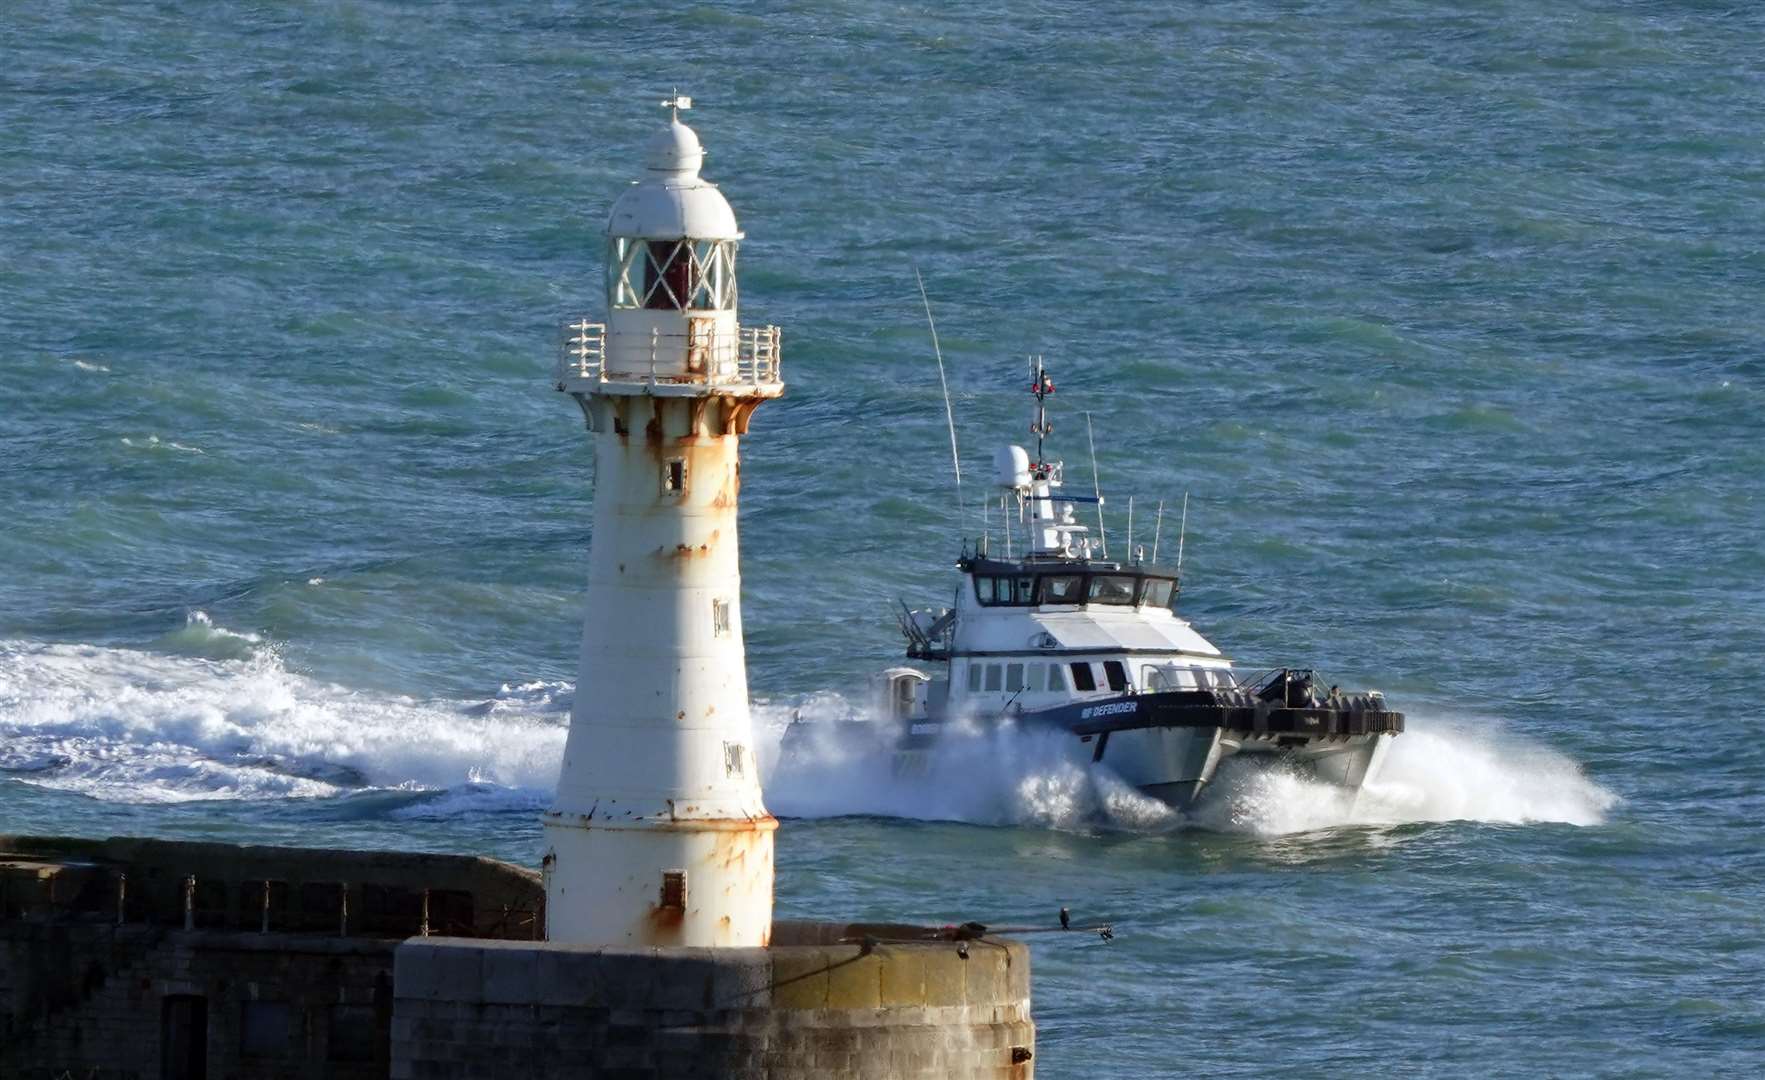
x=747 y=356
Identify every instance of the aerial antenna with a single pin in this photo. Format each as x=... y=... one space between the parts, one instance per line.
x=1181 y=534
x=949 y=414
x=1096 y=488
x=1130 y=526
x=676 y=103
x=1157 y=524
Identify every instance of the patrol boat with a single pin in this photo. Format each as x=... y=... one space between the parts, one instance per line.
x=1054 y=635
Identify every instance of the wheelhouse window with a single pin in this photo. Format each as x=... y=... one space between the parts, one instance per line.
x=974 y=678
x=1063 y=589
x=1156 y=592
x=992 y=590
x=1014 y=677
x=993 y=676
x=671 y=275
x=1056 y=679
x=1082 y=679
x=1111 y=589
x=1117 y=674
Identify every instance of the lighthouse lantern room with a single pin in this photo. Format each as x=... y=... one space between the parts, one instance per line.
x=658 y=835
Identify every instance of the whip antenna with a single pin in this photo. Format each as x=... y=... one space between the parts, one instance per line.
x=1096 y=488
x=949 y=415
x=1182 y=533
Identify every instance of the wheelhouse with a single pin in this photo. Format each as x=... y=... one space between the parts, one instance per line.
x=1024 y=585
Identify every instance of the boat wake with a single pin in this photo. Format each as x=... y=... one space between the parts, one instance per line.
x=227 y=720
x=1436 y=771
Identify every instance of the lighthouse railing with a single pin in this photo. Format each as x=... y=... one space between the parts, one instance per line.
x=748 y=357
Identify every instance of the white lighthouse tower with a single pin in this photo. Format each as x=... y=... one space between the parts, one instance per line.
x=659 y=835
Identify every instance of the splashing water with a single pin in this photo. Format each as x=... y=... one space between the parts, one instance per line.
x=1437 y=773
x=129 y=726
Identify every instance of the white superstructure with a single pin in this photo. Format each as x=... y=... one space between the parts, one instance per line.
x=658 y=835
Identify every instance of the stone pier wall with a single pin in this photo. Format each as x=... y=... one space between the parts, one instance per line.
x=150 y=960
x=889 y=1008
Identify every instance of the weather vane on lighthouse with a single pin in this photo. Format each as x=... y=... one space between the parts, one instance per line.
x=658 y=834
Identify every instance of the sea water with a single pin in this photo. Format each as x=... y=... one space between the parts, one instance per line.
x=1448 y=322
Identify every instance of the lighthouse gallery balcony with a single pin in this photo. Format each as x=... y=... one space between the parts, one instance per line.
x=745 y=361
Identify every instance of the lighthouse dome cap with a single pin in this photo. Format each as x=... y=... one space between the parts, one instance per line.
x=672 y=202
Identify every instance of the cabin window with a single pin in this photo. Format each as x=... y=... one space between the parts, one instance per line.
x=1081 y=676
x=1063 y=589
x=1025 y=590
x=993 y=673
x=1014 y=677
x=974 y=678
x=1112 y=589
x=1036 y=681
x=1117 y=674
x=983 y=589
x=1151 y=678
x=1056 y=679
x=1157 y=592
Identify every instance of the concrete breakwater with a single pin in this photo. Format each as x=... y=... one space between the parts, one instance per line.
x=141 y=958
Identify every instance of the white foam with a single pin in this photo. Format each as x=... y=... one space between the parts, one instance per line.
x=87 y=365
x=1436 y=771
x=131 y=726
x=153 y=442
x=997 y=777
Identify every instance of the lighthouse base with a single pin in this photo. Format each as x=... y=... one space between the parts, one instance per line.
x=687 y=882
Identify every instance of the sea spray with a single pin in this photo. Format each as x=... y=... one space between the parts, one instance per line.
x=130 y=726
x=1436 y=771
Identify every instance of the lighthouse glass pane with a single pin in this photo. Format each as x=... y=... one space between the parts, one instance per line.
x=713 y=275
x=622 y=251
x=669 y=275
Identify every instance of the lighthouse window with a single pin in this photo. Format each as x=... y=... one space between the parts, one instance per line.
x=1112 y=589
x=674 y=476
x=671 y=275
x=668 y=275
x=1157 y=592
x=720 y=617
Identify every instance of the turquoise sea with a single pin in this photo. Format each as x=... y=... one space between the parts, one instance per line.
x=1449 y=319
